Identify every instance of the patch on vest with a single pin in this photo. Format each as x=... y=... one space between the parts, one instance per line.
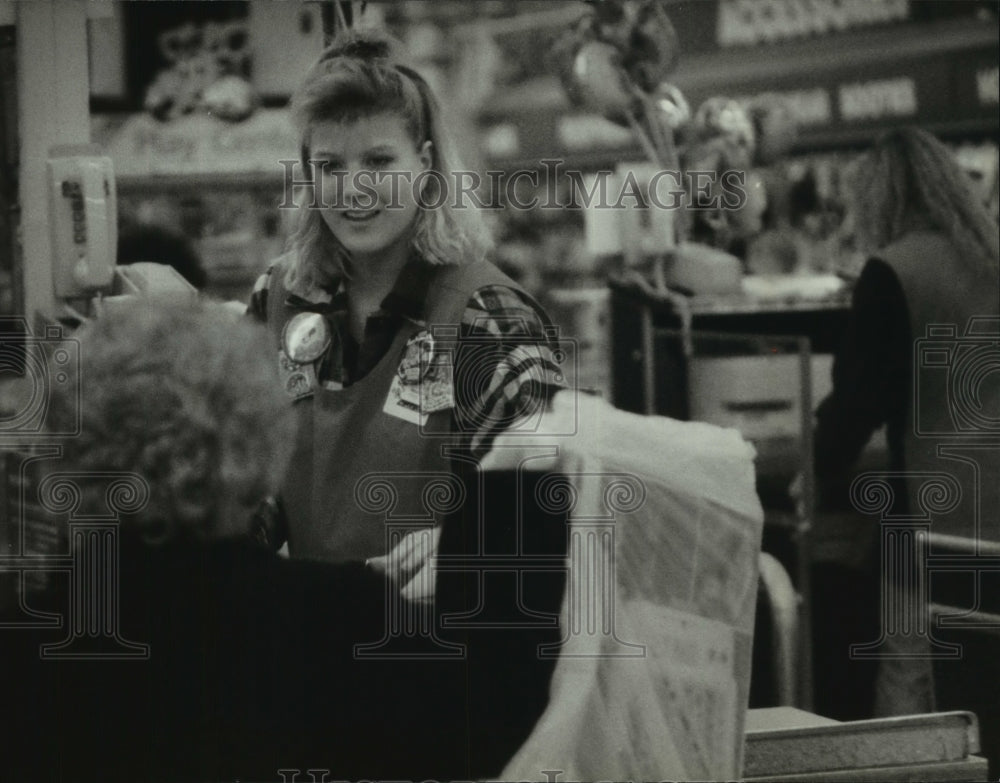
x=423 y=383
x=299 y=380
x=305 y=338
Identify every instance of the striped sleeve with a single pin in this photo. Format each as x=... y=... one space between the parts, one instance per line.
x=510 y=366
x=257 y=307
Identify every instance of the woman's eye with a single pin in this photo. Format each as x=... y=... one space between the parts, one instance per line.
x=331 y=167
x=380 y=161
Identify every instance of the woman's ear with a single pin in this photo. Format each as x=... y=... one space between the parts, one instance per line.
x=426 y=153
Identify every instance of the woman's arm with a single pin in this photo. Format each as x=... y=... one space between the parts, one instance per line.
x=257 y=308
x=510 y=370
x=870 y=371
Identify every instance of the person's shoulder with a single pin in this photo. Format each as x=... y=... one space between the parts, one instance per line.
x=497 y=309
x=878 y=290
x=264 y=284
x=276 y=267
x=918 y=247
x=877 y=273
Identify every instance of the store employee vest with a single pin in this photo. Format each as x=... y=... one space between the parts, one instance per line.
x=367 y=461
x=952 y=424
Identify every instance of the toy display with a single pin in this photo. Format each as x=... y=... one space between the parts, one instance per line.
x=207 y=72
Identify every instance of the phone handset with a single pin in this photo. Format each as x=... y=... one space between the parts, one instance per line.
x=84 y=220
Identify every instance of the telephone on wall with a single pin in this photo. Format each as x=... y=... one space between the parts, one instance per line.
x=84 y=220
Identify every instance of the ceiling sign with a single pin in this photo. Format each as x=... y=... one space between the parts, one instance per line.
x=750 y=22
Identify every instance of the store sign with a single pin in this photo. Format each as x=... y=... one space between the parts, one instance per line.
x=750 y=22
x=198 y=144
x=811 y=107
x=878 y=99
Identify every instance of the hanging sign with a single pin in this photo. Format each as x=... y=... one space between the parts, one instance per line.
x=141 y=145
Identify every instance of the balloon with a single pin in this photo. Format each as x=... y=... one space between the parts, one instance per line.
x=613 y=21
x=562 y=57
x=672 y=104
x=725 y=117
x=776 y=130
x=230 y=98
x=600 y=80
x=652 y=51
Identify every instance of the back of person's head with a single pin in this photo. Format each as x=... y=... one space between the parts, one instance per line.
x=360 y=75
x=910 y=179
x=185 y=397
x=161 y=245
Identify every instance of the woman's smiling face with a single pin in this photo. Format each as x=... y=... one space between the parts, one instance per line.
x=366 y=168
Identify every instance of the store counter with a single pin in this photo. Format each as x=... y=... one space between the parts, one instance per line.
x=757 y=360
x=784 y=743
x=642 y=320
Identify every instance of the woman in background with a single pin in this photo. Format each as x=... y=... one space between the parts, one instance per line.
x=933 y=261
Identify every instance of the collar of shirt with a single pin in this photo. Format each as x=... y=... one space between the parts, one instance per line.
x=407 y=297
x=347 y=361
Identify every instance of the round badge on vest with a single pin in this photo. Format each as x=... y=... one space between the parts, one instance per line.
x=306 y=337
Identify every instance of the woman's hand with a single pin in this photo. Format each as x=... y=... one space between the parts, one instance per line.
x=410 y=564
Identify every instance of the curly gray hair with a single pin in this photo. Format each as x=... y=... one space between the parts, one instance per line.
x=184 y=397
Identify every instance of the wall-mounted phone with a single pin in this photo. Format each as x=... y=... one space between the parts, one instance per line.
x=84 y=220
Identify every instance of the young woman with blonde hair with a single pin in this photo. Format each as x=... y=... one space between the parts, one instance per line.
x=403 y=353
x=395 y=336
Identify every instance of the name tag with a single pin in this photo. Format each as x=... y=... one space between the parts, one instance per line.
x=403 y=402
x=423 y=383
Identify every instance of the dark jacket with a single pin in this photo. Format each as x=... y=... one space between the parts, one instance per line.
x=252 y=670
x=883 y=375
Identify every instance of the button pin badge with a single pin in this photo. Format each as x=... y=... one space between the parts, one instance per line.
x=306 y=337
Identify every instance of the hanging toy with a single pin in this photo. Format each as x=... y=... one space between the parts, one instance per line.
x=229 y=98
x=725 y=117
x=776 y=129
x=600 y=81
x=672 y=105
x=208 y=66
x=652 y=51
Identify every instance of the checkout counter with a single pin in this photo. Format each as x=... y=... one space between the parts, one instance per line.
x=762 y=364
x=757 y=360
x=784 y=743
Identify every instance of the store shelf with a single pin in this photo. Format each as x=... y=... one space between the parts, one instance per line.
x=796 y=745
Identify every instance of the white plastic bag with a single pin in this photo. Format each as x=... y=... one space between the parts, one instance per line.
x=653 y=675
